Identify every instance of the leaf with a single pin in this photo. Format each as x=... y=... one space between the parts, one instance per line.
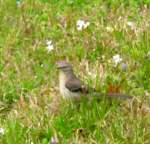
x=113 y=88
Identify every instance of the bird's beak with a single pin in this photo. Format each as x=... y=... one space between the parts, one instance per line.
x=57 y=65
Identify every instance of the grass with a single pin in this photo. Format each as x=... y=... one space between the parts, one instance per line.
x=31 y=109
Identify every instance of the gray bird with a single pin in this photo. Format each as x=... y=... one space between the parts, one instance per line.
x=73 y=88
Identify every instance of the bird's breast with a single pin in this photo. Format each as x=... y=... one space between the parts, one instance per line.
x=65 y=92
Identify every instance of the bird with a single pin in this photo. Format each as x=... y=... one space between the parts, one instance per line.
x=72 y=88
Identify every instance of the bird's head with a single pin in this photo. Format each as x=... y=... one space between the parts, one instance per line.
x=64 y=66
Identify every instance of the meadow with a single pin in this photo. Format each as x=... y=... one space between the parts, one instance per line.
x=108 y=44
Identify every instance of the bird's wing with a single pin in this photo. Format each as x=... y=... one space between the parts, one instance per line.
x=74 y=85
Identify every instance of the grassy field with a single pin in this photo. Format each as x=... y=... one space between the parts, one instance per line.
x=34 y=34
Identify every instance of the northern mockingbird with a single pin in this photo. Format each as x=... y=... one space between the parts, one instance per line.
x=73 y=88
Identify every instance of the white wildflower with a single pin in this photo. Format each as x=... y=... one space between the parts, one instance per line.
x=2 y=131
x=117 y=59
x=131 y=24
x=50 y=46
x=81 y=24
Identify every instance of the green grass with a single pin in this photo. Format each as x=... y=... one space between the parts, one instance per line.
x=30 y=107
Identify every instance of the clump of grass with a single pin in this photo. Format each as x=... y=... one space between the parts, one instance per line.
x=30 y=108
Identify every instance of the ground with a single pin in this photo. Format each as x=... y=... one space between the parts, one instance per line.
x=108 y=44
